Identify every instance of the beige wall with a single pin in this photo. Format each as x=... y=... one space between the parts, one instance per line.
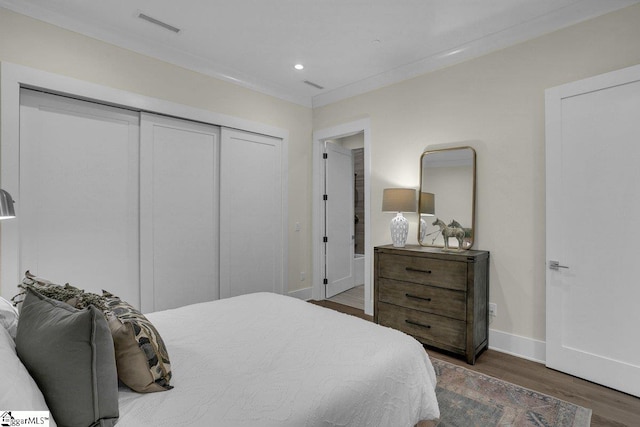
x=496 y=104
x=32 y=43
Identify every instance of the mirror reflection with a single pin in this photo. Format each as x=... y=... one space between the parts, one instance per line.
x=447 y=198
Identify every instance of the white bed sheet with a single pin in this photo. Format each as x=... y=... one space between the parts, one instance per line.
x=264 y=360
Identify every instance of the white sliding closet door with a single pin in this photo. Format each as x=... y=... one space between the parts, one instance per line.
x=78 y=195
x=251 y=214
x=179 y=212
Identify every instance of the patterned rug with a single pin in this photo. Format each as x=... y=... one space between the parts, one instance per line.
x=468 y=398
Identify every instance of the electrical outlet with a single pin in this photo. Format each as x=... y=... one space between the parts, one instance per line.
x=493 y=309
x=302 y=276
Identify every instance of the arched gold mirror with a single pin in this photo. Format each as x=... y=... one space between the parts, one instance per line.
x=447 y=199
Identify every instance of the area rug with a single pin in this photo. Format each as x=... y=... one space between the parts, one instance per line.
x=469 y=398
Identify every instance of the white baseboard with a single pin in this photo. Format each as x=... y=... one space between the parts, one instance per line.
x=516 y=345
x=303 y=294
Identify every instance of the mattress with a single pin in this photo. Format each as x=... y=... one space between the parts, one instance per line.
x=264 y=360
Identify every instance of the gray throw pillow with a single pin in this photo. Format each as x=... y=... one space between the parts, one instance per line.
x=69 y=353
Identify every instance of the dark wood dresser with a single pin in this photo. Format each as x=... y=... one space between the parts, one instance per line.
x=439 y=297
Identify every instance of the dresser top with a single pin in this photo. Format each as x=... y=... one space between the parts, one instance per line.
x=430 y=251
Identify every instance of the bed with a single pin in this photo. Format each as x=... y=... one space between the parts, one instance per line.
x=271 y=360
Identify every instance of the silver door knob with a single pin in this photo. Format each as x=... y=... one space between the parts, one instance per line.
x=555 y=265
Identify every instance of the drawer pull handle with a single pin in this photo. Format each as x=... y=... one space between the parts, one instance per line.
x=411 y=322
x=417 y=297
x=417 y=270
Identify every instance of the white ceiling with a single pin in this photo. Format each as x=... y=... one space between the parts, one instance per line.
x=347 y=46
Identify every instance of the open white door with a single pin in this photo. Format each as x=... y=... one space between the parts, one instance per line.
x=593 y=206
x=339 y=220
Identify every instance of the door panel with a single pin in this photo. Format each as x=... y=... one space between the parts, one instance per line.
x=179 y=205
x=339 y=217
x=252 y=245
x=79 y=193
x=592 y=209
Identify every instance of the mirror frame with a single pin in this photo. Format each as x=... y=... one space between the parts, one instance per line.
x=473 y=196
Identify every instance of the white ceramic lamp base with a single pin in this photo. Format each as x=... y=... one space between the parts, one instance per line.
x=399 y=230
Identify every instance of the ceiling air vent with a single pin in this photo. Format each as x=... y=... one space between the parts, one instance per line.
x=317 y=86
x=158 y=22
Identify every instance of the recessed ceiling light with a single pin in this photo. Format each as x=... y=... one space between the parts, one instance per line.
x=299 y=67
x=454 y=52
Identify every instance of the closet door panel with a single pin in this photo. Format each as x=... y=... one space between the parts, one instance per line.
x=251 y=214
x=179 y=204
x=79 y=193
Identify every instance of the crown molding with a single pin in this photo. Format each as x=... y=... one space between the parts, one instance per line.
x=577 y=12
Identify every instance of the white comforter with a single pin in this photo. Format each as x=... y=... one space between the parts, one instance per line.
x=266 y=360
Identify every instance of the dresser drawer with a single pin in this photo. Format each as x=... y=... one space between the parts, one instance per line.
x=425 y=327
x=427 y=271
x=444 y=302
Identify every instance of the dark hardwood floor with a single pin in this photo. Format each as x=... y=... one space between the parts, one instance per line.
x=610 y=407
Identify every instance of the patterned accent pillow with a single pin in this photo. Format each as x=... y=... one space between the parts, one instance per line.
x=141 y=355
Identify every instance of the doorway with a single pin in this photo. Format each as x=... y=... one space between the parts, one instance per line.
x=345 y=220
x=353 y=138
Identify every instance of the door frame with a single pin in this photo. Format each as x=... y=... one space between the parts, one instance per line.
x=317 y=246
x=13 y=77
